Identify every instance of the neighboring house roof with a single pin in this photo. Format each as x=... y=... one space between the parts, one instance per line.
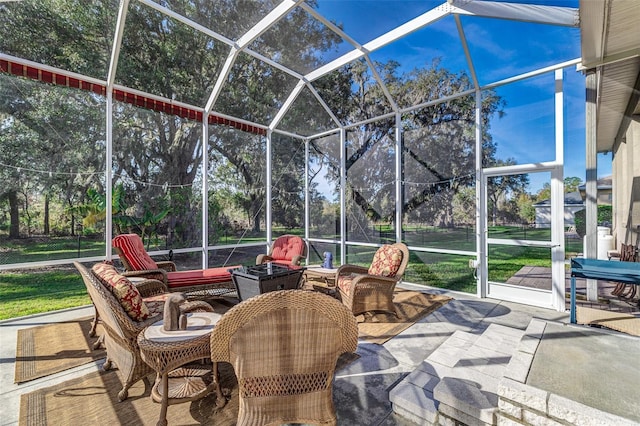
x=570 y=198
x=602 y=184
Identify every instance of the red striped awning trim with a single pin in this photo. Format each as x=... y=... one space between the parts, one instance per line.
x=46 y=76
x=59 y=79
x=156 y=105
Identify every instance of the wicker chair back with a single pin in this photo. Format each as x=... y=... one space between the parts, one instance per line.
x=121 y=332
x=284 y=346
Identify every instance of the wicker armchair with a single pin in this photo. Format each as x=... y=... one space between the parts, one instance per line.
x=286 y=249
x=370 y=289
x=284 y=346
x=121 y=331
x=194 y=283
x=151 y=290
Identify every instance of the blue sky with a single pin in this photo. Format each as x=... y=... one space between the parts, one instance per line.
x=499 y=49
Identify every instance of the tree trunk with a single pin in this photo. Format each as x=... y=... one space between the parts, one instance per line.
x=256 y=220
x=46 y=215
x=14 y=228
x=73 y=218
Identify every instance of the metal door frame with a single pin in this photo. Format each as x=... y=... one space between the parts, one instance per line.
x=555 y=298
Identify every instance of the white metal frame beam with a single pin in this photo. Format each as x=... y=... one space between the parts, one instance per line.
x=287 y=104
x=205 y=190
x=467 y=53
x=557 y=201
x=222 y=79
x=540 y=14
x=591 y=185
x=389 y=37
x=111 y=75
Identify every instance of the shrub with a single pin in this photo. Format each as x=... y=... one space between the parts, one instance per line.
x=604 y=219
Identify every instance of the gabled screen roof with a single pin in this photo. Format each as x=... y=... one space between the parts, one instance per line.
x=292 y=65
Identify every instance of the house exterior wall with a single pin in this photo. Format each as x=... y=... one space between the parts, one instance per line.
x=626 y=186
x=543 y=215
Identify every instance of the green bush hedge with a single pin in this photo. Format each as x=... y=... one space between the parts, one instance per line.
x=604 y=219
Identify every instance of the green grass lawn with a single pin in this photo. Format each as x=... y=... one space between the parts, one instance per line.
x=40 y=249
x=30 y=291
x=40 y=290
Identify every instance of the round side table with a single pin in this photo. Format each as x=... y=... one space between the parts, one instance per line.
x=170 y=353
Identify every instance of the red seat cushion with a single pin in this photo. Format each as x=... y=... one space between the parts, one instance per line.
x=155 y=304
x=344 y=283
x=132 y=248
x=287 y=247
x=199 y=276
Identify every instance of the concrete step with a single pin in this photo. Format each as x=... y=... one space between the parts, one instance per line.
x=458 y=383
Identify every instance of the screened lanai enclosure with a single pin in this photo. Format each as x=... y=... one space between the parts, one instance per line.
x=212 y=127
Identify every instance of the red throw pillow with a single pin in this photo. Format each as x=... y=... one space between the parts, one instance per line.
x=124 y=290
x=386 y=261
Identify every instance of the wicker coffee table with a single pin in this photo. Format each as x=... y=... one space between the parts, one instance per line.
x=177 y=357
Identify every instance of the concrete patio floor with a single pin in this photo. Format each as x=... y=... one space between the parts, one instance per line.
x=362 y=389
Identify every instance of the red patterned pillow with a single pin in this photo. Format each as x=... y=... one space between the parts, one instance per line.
x=386 y=261
x=132 y=248
x=124 y=290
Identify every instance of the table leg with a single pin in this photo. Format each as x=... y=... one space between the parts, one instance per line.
x=220 y=399
x=573 y=301
x=165 y=400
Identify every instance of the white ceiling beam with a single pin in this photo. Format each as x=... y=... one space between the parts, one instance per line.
x=265 y=23
x=438 y=101
x=389 y=37
x=287 y=104
x=323 y=134
x=117 y=43
x=610 y=59
x=222 y=78
x=274 y=64
x=531 y=74
x=413 y=25
x=334 y=65
x=378 y=79
x=217 y=36
x=187 y=21
x=467 y=53
x=324 y=105
x=552 y=15
x=333 y=27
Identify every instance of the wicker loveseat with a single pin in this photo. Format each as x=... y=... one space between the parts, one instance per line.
x=284 y=346
x=124 y=314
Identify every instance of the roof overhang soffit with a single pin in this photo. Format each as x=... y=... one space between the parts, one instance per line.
x=609 y=41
